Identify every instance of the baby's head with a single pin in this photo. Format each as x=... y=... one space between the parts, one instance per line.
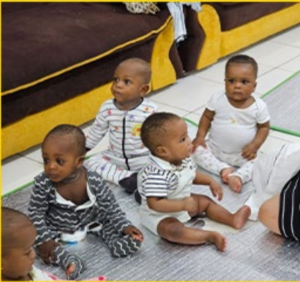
x=166 y=136
x=240 y=77
x=18 y=237
x=63 y=152
x=131 y=82
x=240 y=60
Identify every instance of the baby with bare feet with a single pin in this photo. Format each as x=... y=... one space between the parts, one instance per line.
x=238 y=124
x=165 y=186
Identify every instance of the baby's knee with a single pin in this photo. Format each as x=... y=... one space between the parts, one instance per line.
x=171 y=231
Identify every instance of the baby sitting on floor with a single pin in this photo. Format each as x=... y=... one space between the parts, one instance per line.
x=68 y=201
x=165 y=186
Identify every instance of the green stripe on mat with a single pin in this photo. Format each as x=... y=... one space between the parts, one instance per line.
x=276 y=127
x=190 y=121
x=283 y=82
x=18 y=189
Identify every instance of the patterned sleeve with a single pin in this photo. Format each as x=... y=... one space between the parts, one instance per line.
x=98 y=129
x=38 y=207
x=107 y=203
x=157 y=184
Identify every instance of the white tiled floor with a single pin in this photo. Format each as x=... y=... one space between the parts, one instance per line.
x=278 y=58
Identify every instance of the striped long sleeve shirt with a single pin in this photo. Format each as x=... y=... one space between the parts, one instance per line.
x=123 y=127
x=50 y=217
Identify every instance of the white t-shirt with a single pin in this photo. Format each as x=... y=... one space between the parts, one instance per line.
x=233 y=128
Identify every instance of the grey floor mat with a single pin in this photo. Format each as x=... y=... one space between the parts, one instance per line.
x=284 y=103
x=252 y=254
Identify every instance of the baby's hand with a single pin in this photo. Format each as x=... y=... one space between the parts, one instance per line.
x=198 y=141
x=46 y=251
x=216 y=189
x=134 y=233
x=190 y=205
x=249 y=152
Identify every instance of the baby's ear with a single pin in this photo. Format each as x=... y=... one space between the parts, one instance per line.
x=161 y=151
x=80 y=160
x=145 y=89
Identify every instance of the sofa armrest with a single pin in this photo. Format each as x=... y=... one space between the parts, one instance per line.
x=209 y=20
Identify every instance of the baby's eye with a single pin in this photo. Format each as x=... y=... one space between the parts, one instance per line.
x=127 y=81
x=183 y=139
x=60 y=161
x=28 y=253
x=45 y=160
x=245 y=81
x=230 y=80
x=115 y=79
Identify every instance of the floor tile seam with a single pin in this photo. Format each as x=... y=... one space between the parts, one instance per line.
x=198 y=77
x=171 y=106
x=284 y=43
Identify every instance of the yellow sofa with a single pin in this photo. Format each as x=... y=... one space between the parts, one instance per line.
x=204 y=30
x=30 y=130
x=219 y=43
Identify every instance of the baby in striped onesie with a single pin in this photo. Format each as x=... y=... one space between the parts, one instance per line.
x=121 y=118
x=68 y=201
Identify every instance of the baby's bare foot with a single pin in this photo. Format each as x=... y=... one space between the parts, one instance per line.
x=218 y=240
x=225 y=172
x=235 y=183
x=241 y=217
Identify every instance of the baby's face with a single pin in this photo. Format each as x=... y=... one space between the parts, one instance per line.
x=128 y=85
x=178 y=144
x=240 y=81
x=18 y=260
x=60 y=158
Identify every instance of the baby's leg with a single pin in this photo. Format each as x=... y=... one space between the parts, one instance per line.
x=240 y=176
x=207 y=160
x=71 y=263
x=106 y=169
x=174 y=231
x=269 y=214
x=119 y=244
x=220 y=214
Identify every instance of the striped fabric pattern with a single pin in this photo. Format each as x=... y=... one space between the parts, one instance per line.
x=51 y=218
x=289 y=214
x=123 y=128
x=157 y=179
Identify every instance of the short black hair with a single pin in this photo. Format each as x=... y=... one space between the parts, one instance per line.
x=154 y=129
x=12 y=218
x=243 y=59
x=72 y=131
x=144 y=68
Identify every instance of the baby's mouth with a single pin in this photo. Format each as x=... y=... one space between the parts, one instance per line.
x=53 y=176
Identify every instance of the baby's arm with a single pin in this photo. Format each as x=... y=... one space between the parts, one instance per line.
x=38 y=207
x=97 y=131
x=205 y=179
x=204 y=125
x=250 y=150
x=164 y=205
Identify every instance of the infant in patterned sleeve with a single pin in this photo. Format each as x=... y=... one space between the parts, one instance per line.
x=68 y=201
x=122 y=118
